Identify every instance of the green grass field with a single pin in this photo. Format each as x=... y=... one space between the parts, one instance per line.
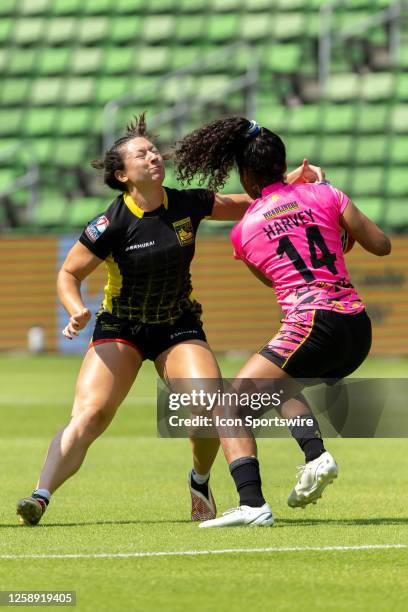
x=130 y=497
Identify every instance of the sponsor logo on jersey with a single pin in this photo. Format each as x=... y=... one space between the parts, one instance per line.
x=96 y=228
x=184 y=231
x=141 y=245
x=280 y=210
x=183 y=333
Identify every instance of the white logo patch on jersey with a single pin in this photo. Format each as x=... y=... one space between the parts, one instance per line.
x=96 y=228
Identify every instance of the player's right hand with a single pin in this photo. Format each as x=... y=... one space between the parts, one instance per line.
x=78 y=321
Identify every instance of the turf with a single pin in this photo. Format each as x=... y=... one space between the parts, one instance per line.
x=131 y=496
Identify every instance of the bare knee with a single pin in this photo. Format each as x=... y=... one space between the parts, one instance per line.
x=90 y=423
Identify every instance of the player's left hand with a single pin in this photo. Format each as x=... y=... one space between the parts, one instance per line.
x=306 y=173
x=77 y=321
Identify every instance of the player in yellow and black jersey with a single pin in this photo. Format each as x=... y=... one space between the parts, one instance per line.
x=146 y=238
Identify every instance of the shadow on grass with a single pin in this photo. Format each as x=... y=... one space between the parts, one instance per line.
x=311 y=522
x=93 y=523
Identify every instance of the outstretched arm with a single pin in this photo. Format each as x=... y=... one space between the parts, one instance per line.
x=232 y=207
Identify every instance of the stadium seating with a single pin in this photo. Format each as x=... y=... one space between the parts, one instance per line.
x=63 y=60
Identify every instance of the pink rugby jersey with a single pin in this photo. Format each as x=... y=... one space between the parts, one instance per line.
x=292 y=235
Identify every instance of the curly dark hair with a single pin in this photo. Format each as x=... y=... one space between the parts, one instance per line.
x=112 y=159
x=212 y=151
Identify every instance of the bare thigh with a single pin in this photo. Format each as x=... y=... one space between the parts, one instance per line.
x=106 y=376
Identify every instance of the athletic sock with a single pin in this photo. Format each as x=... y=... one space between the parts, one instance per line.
x=245 y=472
x=199 y=482
x=309 y=438
x=42 y=495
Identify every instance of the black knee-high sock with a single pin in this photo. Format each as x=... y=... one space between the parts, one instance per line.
x=309 y=438
x=245 y=472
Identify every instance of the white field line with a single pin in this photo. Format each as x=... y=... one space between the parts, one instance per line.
x=33 y=401
x=193 y=553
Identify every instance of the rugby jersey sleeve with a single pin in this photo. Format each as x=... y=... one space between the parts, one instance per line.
x=201 y=201
x=98 y=235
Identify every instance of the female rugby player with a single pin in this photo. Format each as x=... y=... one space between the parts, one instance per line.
x=146 y=238
x=290 y=238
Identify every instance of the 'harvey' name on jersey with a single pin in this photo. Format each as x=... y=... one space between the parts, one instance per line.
x=289 y=221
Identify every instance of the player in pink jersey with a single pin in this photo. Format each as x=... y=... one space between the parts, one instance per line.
x=290 y=239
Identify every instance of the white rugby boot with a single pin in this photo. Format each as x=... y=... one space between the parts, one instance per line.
x=243 y=516
x=313 y=478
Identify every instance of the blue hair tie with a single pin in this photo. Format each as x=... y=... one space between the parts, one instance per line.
x=254 y=129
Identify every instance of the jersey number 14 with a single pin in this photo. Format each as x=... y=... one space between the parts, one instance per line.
x=314 y=239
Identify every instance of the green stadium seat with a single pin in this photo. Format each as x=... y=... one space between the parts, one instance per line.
x=371 y=150
x=275 y=118
x=171 y=89
x=33 y=7
x=257 y=5
x=21 y=61
x=97 y=7
x=284 y=58
x=339 y=177
x=61 y=30
x=372 y=118
x=120 y=60
x=4 y=60
x=377 y=86
x=6 y=26
x=53 y=61
x=7 y=177
x=47 y=91
x=125 y=29
x=159 y=28
x=11 y=121
x=226 y=6
x=66 y=7
x=14 y=91
x=153 y=60
x=299 y=147
x=399 y=118
x=28 y=31
x=367 y=181
x=83 y=210
x=222 y=28
x=397 y=182
x=40 y=121
x=79 y=90
x=184 y=56
x=42 y=149
x=288 y=26
x=343 y=87
x=190 y=29
x=372 y=207
x=255 y=27
x=402 y=87
x=336 y=150
x=93 y=30
x=210 y=86
x=7 y=7
x=304 y=119
x=86 y=60
x=129 y=6
x=51 y=209
x=69 y=151
x=397 y=215
x=110 y=88
x=193 y=6
x=337 y=119
x=161 y=6
x=399 y=150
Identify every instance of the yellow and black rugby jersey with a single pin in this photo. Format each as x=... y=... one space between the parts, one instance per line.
x=148 y=254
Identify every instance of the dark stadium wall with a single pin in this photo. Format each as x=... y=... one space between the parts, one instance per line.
x=240 y=313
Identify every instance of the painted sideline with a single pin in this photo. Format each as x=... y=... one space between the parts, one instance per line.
x=225 y=551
